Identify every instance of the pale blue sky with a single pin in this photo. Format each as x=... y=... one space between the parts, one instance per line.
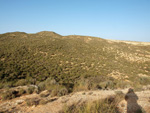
x=109 y=19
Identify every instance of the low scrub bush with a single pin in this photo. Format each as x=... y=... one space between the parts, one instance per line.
x=54 y=92
x=144 y=80
x=138 y=87
x=83 y=85
x=59 y=91
x=1 y=85
x=21 y=91
x=30 y=90
x=108 y=105
x=62 y=92
x=9 y=94
x=41 y=86
x=21 y=82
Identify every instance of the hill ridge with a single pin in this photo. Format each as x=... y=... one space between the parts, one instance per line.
x=69 y=60
x=48 y=33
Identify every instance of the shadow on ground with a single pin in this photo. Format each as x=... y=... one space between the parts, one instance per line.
x=132 y=105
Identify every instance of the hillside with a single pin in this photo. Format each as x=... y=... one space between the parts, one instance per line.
x=73 y=62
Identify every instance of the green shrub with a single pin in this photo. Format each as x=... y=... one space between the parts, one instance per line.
x=9 y=94
x=82 y=85
x=51 y=87
x=144 y=80
x=30 y=90
x=8 y=85
x=21 y=91
x=1 y=85
x=51 y=84
x=41 y=86
x=50 y=81
x=21 y=82
x=122 y=84
x=62 y=92
x=54 y=92
x=138 y=87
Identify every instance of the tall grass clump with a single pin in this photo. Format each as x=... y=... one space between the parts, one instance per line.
x=108 y=105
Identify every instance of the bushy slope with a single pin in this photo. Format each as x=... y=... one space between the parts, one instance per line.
x=77 y=62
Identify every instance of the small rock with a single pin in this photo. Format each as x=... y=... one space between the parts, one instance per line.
x=33 y=106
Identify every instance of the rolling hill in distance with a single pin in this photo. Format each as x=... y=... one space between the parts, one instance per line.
x=72 y=61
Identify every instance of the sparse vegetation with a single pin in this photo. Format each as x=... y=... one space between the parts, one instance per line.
x=62 y=92
x=30 y=90
x=108 y=105
x=9 y=94
x=21 y=91
x=63 y=64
